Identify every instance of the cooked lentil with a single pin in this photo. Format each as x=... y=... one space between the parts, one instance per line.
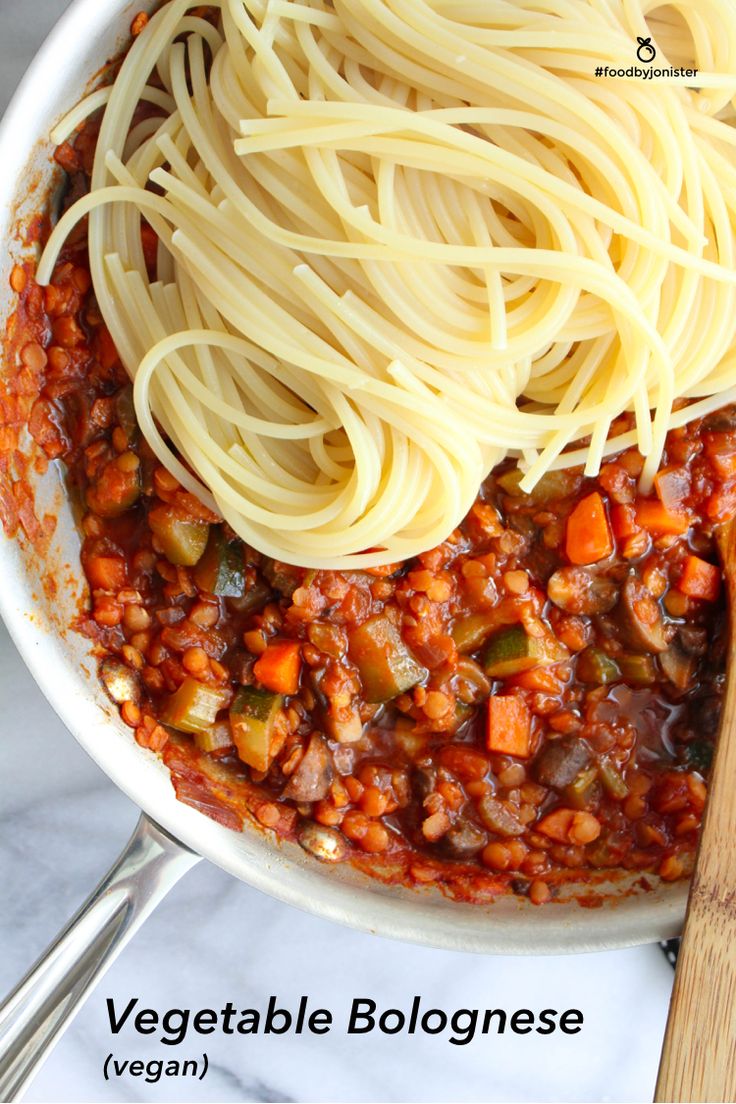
x=534 y=700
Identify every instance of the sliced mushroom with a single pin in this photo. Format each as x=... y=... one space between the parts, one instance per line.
x=473 y=681
x=121 y=683
x=464 y=839
x=325 y=844
x=498 y=818
x=639 y=619
x=580 y=590
x=311 y=779
x=693 y=640
x=721 y=420
x=240 y=664
x=423 y=781
x=678 y=666
x=560 y=761
x=282 y=576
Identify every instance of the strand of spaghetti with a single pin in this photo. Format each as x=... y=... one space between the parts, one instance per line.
x=157 y=355
x=98 y=99
x=204 y=449
x=503 y=164
x=384 y=120
x=380 y=270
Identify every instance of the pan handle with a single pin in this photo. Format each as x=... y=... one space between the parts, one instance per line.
x=41 y=1007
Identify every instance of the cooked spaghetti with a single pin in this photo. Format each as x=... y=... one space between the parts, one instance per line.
x=401 y=239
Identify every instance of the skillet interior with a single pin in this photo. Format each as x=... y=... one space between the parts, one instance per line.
x=61 y=662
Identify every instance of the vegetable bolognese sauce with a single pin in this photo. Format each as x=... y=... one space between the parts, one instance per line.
x=533 y=701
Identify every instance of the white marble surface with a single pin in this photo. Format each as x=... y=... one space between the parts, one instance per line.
x=61 y=824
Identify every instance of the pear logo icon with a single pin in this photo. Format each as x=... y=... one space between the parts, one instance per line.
x=645 y=51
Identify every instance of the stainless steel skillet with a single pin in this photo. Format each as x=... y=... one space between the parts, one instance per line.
x=171 y=836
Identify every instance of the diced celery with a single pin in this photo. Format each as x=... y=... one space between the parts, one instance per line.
x=253 y=717
x=193 y=707
x=580 y=790
x=216 y=738
x=387 y=667
x=638 y=669
x=612 y=779
x=596 y=667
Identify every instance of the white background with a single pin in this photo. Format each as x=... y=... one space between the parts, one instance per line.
x=61 y=824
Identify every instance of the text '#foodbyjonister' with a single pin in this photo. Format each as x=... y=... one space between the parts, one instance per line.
x=640 y=72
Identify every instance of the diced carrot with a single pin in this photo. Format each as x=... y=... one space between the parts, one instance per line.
x=542 y=679
x=623 y=521
x=106 y=572
x=509 y=726
x=700 y=579
x=588 y=536
x=279 y=667
x=556 y=825
x=657 y=519
x=722 y=503
x=672 y=486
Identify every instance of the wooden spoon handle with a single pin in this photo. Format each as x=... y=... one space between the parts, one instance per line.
x=699 y=1054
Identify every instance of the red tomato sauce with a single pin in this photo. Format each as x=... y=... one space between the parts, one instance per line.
x=533 y=701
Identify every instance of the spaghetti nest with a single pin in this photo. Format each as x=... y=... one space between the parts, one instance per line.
x=401 y=239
